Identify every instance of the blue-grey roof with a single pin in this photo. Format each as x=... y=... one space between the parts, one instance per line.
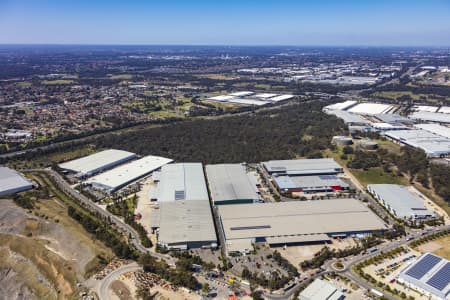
x=308 y=182
x=303 y=166
x=430 y=273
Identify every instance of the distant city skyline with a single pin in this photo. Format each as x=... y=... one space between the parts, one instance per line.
x=233 y=22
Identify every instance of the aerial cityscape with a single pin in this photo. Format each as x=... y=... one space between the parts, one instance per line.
x=227 y=150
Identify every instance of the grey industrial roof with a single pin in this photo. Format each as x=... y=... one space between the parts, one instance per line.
x=12 y=181
x=348 y=117
x=393 y=118
x=400 y=199
x=321 y=290
x=303 y=166
x=186 y=221
x=430 y=273
x=431 y=116
x=97 y=161
x=432 y=144
x=436 y=129
x=230 y=182
x=297 y=218
x=182 y=181
x=308 y=182
x=320 y=237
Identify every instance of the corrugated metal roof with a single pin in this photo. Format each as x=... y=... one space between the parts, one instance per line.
x=297 y=218
x=303 y=166
x=320 y=290
x=182 y=181
x=91 y=163
x=186 y=221
x=130 y=172
x=400 y=199
x=308 y=182
x=12 y=181
x=230 y=182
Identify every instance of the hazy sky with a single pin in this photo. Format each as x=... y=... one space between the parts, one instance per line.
x=228 y=22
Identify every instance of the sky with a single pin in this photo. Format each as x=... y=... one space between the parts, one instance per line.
x=230 y=22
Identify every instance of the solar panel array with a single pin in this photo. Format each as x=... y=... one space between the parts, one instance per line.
x=423 y=266
x=441 y=279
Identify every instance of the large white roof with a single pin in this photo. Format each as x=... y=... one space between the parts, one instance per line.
x=120 y=176
x=297 y=218
x=12 y=181
x=341 y=105
x=431 y=116
x=91 y=163
x=320 y=290
x=435 y=128
x=370 y=108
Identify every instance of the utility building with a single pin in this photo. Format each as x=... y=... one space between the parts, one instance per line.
x=231 y=184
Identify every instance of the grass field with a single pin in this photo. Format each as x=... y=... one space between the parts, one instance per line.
x=24 y=84
x=122 y=76
x=376 y=176
x=444 y=251
x=57 y=82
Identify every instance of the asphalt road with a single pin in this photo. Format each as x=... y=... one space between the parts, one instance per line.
x=91 y=206
x=102 y=290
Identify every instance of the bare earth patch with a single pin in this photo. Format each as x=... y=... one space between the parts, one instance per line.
x=429 y=247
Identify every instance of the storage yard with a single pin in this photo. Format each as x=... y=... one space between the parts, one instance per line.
x=293 y=223
x=231 y=184
x=97 y=162
x=112 y=180
x=12 y=182
x=400 y=201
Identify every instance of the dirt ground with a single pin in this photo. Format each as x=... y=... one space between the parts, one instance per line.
x=351 y=290
x=297 y=254
x=439 y=247
x=44 y=250
x=119 y=290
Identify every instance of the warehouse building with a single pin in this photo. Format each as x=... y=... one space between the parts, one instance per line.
x=181 y=181
x=295 y=223
x=117 y=178
x=231 y=184
x=401 y=202
x=430 y=275
x=309 y=184
x=434 y=145
x=371 y=108
x=186 y=224
x=393 y=119
x=321 y=289
x=431 y=117
x=184 y=219
x=347 y=117
x=298 y=167
x=436 y=129
x=12 y=182
x=97 y=162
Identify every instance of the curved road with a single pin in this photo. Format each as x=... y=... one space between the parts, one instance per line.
x=102 y=290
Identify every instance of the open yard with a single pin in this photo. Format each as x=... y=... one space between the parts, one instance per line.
x=377 y=175
x=439 y=247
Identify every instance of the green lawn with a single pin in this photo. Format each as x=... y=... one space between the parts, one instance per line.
x=375 y=176
x=122 y=76
x=57 y=82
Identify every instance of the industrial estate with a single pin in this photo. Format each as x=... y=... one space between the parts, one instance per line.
x=225 y=173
